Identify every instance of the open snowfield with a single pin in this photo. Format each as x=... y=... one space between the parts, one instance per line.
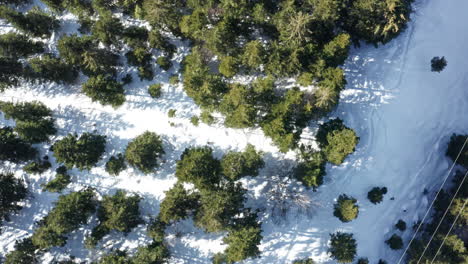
x=403 y=113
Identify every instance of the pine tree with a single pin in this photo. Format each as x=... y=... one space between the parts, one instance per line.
x=342 y=247
x=105 y=90
x=177 y=204
x=345 y=208
x=198 y=166
x=144 y=152
x=438 y=64
x=82 y=152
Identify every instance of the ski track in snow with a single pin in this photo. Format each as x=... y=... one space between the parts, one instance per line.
x=403 y=113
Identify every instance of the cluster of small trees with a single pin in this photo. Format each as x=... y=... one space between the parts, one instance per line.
x=34 y=121
x=336 y=142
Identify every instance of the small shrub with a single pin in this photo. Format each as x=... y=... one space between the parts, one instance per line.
x=346 y=208
x=155 y=90
x=438 y=64
x=195 y=120
x=363 y=261
x=61 y=181
x=401 y=225
x=304 y=261
x=174 y=80
x=395 y=242
x=207 y=118
x=171 y=113
x=164 y=63
x=36 y=167
x=116 y=164
x=376 y=194
x=144 y=151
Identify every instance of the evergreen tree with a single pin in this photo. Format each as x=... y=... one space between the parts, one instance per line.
x=228 y=66
x=107 y=29
x=164 y=63
x=311 y=169
x=243 y=243
x=13 y=148
x=155 y=90
x=395 y=242
x=401 y=225
x=70 y=211
x=50 y=68
x=154 y=253
x=60 y=182
x=304 y=261
x=12 y=191
x=105 y=90
x=116 y=164
x=438 y=64
x=345 y=208
x=342 y=247
x=177 y=204
x=219 y=206
x=198 y=166
x=238 y=106
x=331 y=83
x=24 y=253
x=336 y=140
x=35 y=22
x=144 y=152
x=254 y=55
x=10 y=72
x=82 y=152
x=454 y=149
x=116 y=257
x=37 y=167
x=13 y=45
x=235 y=165
x=376 y=194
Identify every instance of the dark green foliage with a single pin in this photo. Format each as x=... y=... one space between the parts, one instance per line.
x=10 y=71
x=118 y=212
x=198 y=166
x=162 y=14
x=154 y=253
x=286 y=119
x=219 y=206
x=438 y=64
x=60 y=182
x=253 y=55
x=107 y=29
x=174 y=80
x=457 y=142
x=376 y=194
x=381 y=261
x=116 y=164
x=178 y=204
x=155 y=90
x=228 y=66
x=304 y=261
x=235 y=165
x=239 y=107
x=14 y=45
x=164 y=63
x=117 y=257
x=50 y=68
x=243 y=243
x=83 y=152
x=346 y=209
x=24 y=253
x=401 y=225
x=13 y=148
x=77 y=7
x=35 y=22
x=144 y=152
x=363 y=261
x=395 y=242
x=158 y=41
x=34 y=121
x=377 y=21
x=195 y=120
x=37 y=167
x=156 y=229
x=342 y=247
x=104 y=89
x=70 y=211
x=336 y=140
x=84 y=52
x=14 y=2
x=171 y=113
x=12 y=191
x=135 y=36
x=127 y=79
x=207 y=118
x=311 y=169
x=332 y=81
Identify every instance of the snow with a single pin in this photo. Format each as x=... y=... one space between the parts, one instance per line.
x=403 y=113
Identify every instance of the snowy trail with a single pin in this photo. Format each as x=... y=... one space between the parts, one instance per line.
x=403 y=113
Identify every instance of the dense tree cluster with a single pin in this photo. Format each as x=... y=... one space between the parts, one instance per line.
x=34 y=121
x=144 y=152
x=342 y=247
x=120 y=212
x=50 y=68
x=70 y=212
x=345 y=208
x=82 y=152
x=12 y=191
x=13 y=45
x=34 y=22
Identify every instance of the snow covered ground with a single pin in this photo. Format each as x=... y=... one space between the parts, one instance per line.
x=403 y=113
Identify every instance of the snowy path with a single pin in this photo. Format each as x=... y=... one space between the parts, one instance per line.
x=403 y=113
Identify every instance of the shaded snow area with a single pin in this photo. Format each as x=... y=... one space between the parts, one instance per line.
x=403 y=113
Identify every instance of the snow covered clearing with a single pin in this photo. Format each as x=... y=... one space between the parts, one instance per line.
x=403 y=113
